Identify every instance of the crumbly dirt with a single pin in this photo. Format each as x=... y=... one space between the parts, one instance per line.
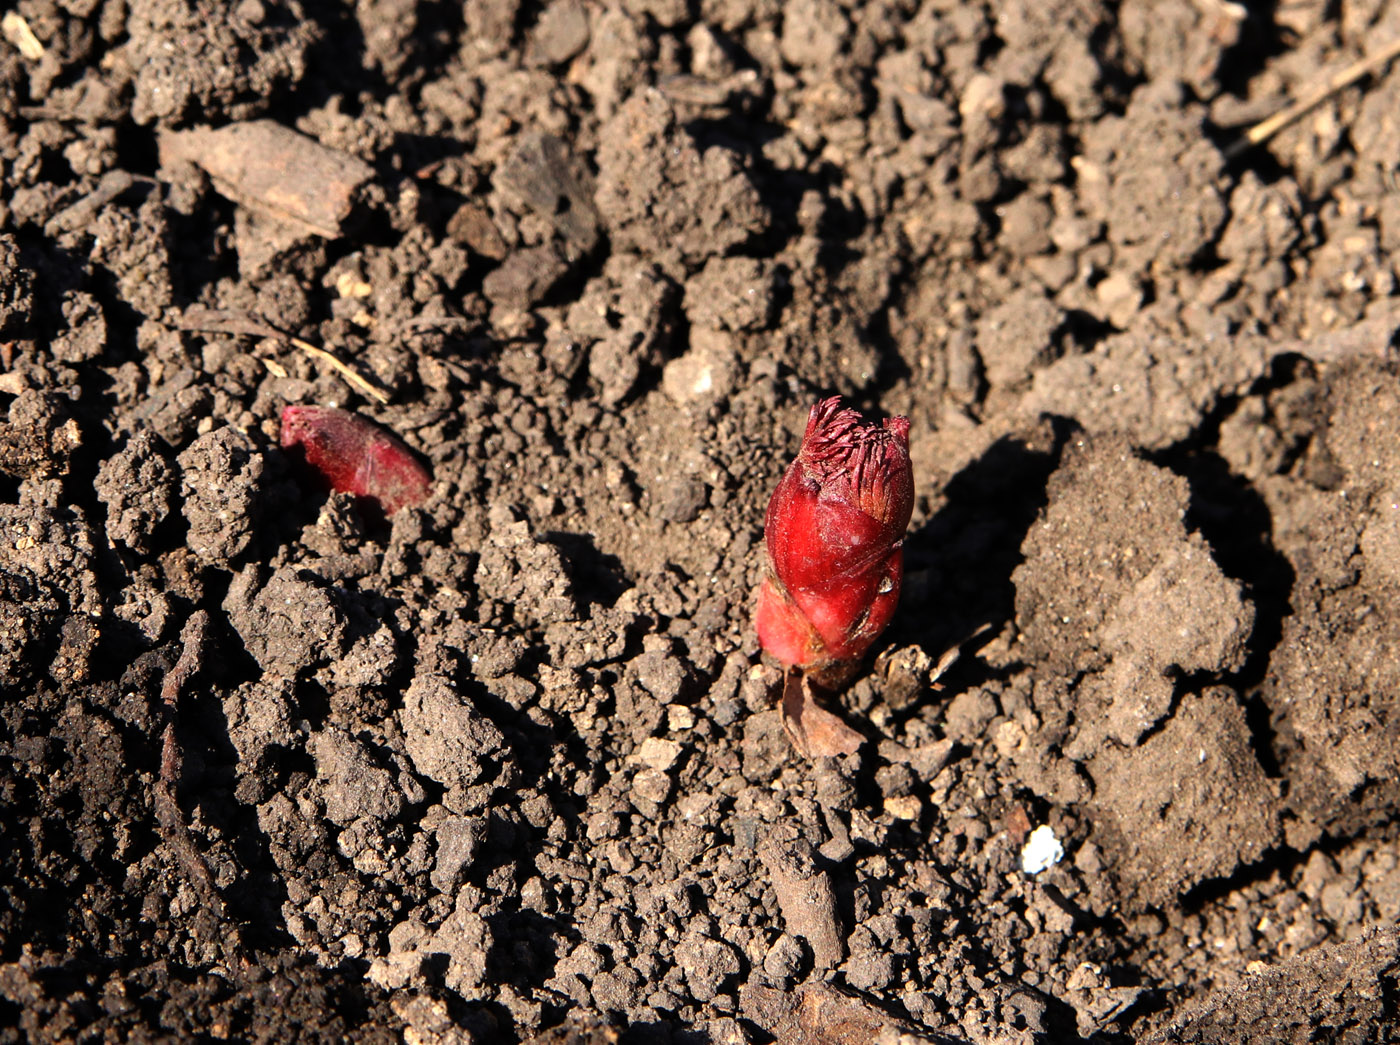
x=505 y=766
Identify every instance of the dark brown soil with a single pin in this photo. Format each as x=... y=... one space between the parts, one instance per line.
x=505 y=766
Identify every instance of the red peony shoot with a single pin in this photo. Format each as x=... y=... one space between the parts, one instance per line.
x=835 y=535
x=356 y=456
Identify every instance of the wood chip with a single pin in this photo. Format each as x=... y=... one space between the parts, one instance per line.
x=274 y=170
x=807 y=900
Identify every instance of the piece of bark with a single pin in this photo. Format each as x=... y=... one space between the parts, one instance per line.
x=540 y=174
x=814 y=731
x=274 y=170
x=826 y=1015
x=807 y=900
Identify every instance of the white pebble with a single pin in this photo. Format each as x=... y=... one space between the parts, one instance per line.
x=1042 y=850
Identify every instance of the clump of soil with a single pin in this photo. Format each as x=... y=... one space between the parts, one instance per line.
x=504 y=764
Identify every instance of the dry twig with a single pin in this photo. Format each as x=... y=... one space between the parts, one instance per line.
x=1266 y=129
x=214 y=321
x=172 y=821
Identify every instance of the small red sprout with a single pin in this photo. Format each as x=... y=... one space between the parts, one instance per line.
x=835 y=536
x=356 y=456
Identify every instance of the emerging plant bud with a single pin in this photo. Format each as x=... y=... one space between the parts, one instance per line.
x=835 y=535
x=356 y=456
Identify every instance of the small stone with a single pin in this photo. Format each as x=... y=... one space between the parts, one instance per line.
x=1042 y=850
x=928 y=759
x=679 y=717
x=405 y=958
x=525 y=277
x=658 y=753
x=1086 y=977
x=706 y=373
x=602 y=826
x=969 y=715
x=835 y=789
x=1121 y=297
x=707 y=963
x=459 y=842
x=783 y=960
x=562 y=31
x=539 y=176
x=652 y=786
x=904 y=807
x=472 y=225
x=427 y=1019
x=982 y=97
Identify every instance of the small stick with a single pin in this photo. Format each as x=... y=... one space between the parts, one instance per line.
x=172 y=822
x=351 y=376
x=84 y=211
x=1266 y=129
x=950 y=656
x=420 y=323
x=214 y=321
